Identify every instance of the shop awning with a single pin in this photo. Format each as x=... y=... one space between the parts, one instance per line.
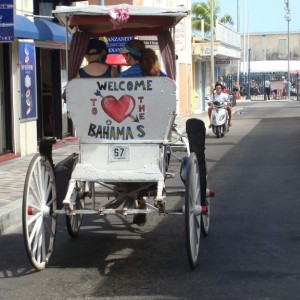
x=49 y=31
x=116 y=59
x=24 y=28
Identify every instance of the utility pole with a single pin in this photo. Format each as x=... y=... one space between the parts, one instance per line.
x=238 y=31
x=212 y=36
x=244 y=43
x=288 y=19
x=249 y=86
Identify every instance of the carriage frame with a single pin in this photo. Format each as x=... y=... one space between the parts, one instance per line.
x=127 y=137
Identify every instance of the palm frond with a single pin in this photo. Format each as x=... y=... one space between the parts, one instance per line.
x=202 y=11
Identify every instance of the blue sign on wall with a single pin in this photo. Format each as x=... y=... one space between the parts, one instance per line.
x=116 y=43
x=6 y=21
x=28 y=81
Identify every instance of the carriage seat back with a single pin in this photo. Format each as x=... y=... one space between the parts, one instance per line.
x=134 y=113
x=121 y=109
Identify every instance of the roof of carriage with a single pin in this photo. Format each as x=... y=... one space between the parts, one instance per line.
x=122 y=19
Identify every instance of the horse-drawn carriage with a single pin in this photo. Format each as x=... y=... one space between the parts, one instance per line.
x=127 y=137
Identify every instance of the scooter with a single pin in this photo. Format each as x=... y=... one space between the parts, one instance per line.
x=219 y=119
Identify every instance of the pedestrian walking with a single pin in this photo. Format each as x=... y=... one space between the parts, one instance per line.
x=267 y=89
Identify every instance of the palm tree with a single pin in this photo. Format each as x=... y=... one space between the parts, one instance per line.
x=202 y=10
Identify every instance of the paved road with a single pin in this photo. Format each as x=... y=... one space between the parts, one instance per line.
x=251 y=252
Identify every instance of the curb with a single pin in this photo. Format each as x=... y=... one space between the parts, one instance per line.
x=11 y=216
x=11 y=213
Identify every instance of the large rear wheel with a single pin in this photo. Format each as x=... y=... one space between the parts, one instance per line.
x=39 y=204
x=193 y=210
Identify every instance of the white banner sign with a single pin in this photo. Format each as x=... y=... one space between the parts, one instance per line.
x=121 y=109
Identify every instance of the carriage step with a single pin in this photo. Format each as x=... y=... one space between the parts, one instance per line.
x=170 y=175
x=175 y=211
x=181 y=192
x=175 y=192
x=178 y=148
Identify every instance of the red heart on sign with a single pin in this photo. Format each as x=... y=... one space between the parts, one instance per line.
x=120 y=109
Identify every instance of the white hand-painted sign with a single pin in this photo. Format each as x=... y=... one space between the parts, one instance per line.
x=115 y=110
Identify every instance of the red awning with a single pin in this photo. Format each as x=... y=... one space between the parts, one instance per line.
x=116 y=59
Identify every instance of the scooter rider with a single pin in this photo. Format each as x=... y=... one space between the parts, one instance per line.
x=221 y=97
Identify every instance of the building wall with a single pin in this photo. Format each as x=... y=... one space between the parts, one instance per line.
x=25 y=133
x=24 y=6
x=183 y=49
x=272 y=46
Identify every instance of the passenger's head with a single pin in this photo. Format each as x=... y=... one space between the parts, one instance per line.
x=96 y=51
x=218 y=87
x=133 y=49
x=149 y=63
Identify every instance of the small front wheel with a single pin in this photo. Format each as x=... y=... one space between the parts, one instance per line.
x=193 y=210
x=74 y=221
x=218 y=131
x=38 y=211
x=205 y=217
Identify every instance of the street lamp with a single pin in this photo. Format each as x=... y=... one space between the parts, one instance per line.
x=288 y=19
x=212 y=60
x=238 y=31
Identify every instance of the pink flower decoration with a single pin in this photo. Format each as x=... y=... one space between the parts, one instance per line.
x=119 y=16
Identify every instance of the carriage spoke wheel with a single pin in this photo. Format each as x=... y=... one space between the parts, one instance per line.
x=74 y=221
x=205 y=218
x=39 y=203
x=193 y=210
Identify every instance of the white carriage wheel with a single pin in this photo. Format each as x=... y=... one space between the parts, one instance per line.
x=39 y=203
x=74 y=221
x=205 y=218
x=193 y=210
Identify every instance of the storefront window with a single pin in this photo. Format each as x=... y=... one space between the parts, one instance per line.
x=45 y=7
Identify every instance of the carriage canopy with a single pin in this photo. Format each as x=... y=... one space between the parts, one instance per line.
x=120 y=20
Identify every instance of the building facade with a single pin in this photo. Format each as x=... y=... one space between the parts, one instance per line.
x=31 y=76
x=226 y=47
x=271 y=46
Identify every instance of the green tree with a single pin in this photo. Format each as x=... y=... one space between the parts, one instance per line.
x=202 y=11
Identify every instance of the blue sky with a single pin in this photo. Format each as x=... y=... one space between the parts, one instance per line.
x=263 y=15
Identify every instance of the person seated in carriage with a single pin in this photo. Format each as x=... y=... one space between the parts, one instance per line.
x=96 y=55
x=142 y=61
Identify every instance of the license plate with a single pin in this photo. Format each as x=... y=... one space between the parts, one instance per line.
x=119 y=152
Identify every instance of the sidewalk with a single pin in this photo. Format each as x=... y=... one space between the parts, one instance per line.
x=13 y=174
